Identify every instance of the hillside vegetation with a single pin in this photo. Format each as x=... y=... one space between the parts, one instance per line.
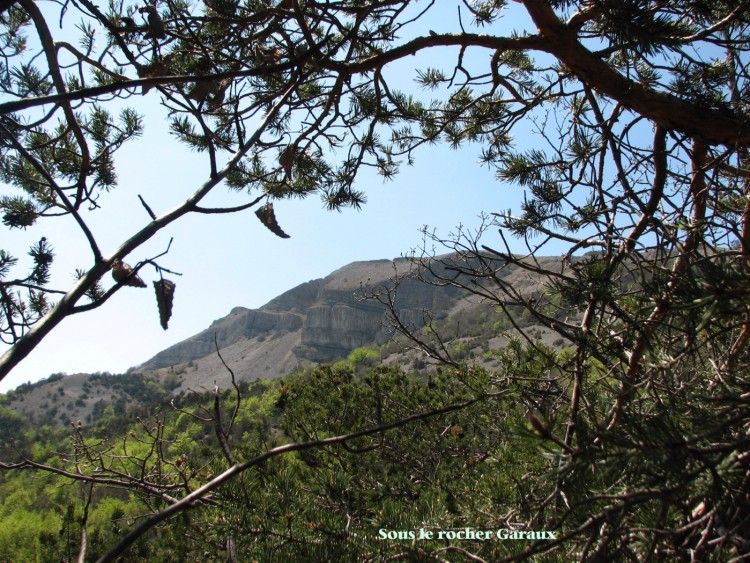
x=263 y=344
x=328 y=503
x=604 y=415
x=487 y=463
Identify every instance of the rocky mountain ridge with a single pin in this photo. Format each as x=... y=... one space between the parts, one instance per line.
x=318 y=321
x=322 y=320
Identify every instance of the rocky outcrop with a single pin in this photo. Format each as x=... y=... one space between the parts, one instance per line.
x=240 y=324
x=319 y=321
x=327 y=318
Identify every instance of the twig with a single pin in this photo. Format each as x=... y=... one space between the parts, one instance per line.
x=234 y=384
x=210 y=210
x=148 y=209
x=45 y=37
x=67 y=305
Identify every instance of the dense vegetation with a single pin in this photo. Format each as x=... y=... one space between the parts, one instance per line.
x=631 y=442
x=326 y=504
x=496 y=462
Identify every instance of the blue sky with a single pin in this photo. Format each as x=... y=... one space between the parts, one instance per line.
x=232 y=260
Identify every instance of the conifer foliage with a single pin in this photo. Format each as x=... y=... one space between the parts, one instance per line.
x=638 y=173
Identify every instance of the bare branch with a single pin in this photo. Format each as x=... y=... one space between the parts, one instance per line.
x=65 y=306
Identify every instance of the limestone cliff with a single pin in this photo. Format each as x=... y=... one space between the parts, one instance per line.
x=318 y=321
x=321 y=320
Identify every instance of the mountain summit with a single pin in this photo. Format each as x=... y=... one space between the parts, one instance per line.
x=318 y=321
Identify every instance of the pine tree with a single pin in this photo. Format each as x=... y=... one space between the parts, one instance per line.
x=639 y=169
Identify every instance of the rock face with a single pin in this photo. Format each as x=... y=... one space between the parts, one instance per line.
x=318 y=321
x=321 y=320
x=240 y=324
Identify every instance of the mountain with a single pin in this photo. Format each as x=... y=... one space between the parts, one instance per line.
x=322 y=320
x=318 y=321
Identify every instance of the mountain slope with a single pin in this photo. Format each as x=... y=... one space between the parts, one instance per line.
x=318 y=321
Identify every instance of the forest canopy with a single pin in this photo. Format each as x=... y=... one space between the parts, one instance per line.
x=639 y=111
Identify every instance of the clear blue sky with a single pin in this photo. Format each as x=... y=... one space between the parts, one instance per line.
x=232 y=260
